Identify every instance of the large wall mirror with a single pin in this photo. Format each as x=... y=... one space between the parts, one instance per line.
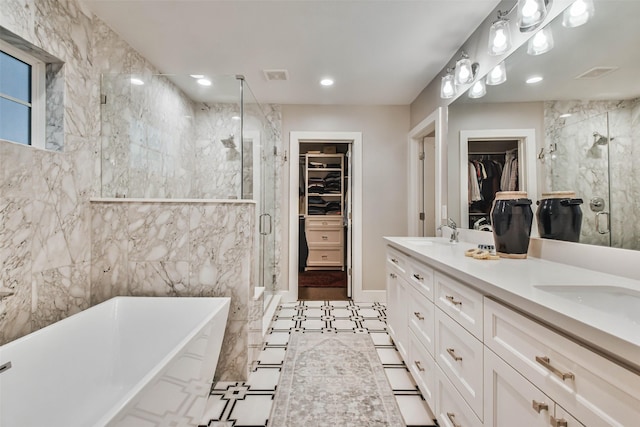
x=585 y=113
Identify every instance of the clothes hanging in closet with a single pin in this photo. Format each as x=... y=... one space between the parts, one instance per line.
x=509 y=179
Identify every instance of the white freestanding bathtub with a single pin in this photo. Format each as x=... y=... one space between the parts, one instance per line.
x=130 y=361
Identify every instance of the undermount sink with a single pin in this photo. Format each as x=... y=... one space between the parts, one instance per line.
x=428 y=241
x=615 y=300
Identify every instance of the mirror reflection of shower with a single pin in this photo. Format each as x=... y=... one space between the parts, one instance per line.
x=599 y=140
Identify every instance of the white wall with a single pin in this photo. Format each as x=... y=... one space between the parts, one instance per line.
x=384 y=133
x=522 y=115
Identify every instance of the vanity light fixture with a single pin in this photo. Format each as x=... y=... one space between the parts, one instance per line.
x=534 y=80
x=500 y=35
x=465 y=71
x=136 y=81
x=478 y=90
x=498 y=75
x=204 y=82
x=578 y=13
x=326 y=82
x=531 y=13
x=541 y=42
x=448 y=87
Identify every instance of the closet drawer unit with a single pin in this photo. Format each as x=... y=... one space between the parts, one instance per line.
x=323 y=222
x=422 y=319
x=398 y=260
x=324 y=237
x=451 y=409
x=422 y=277
x=325 y=257
x=459 y=301
x=422 y=368
x=597 y=391
x=460 y=356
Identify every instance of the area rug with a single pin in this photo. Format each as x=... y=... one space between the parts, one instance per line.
x=333 y=380
x=323 y=279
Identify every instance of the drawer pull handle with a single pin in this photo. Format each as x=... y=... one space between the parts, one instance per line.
x=393 y=275
x=419 y=366
x=539 y=406
x=544 y=361
x=559 y=422
x=393 y=260
x=453 y=354
x=325 y=257
x=325 y=237
x=452 y=418
x=418 y=277
x=453 y=300
x=418 y=315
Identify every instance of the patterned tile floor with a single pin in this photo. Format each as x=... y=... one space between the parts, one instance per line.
x=248 y=404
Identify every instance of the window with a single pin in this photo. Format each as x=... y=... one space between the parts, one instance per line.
x=22 y=101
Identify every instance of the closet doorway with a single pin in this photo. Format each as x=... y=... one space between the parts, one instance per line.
x=492 y=161
x=325 y=230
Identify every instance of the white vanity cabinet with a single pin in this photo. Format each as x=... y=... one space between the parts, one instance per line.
x=479 y=362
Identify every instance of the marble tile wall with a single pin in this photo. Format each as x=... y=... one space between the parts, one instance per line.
x=594 y=170
x=203 y=249
x=44 y=195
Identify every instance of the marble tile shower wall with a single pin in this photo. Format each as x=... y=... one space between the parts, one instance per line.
x=583 y=166
x=195 y=249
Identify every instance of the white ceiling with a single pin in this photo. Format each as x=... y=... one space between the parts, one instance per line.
x=380 y=52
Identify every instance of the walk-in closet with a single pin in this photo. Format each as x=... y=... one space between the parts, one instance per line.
x=493 y=166
x=323 y=212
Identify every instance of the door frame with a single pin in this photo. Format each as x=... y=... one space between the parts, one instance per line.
x=355 y=138
x=435 y=122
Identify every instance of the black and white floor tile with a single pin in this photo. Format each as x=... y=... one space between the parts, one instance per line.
x=248 y=404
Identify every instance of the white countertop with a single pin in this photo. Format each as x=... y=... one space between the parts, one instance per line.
x=515 y=281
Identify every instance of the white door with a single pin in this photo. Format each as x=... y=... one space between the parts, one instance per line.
x=348 y=219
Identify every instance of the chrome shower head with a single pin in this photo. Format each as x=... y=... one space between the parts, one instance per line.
x=599 y=139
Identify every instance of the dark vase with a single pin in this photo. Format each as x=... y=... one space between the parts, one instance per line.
x=559 y=216
x=511 y=217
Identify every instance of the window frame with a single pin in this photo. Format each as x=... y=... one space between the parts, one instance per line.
x=38 y=95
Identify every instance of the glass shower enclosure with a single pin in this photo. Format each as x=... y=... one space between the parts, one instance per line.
x=191 y=137
x=595 y=151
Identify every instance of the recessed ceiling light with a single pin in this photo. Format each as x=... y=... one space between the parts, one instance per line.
x=326 y=82
x=136 y=81
x=534 y=79
x=565 y=115
x=197 y=76
x=204 y=82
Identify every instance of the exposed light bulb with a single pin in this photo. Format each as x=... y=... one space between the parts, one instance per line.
x=499 y=37
x=464 y=70
x=541 y=42
x=478 y=90
x=531 y=13
x=578 y=13
x=498 y=75
x=447 y=87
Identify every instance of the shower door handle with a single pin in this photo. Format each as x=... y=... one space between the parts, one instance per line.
x=598 y=223
x=262 y=227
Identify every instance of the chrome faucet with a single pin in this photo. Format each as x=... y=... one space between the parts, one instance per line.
x=454 y=230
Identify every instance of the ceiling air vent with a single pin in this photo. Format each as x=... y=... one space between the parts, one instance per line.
x=596 y=72
x=276 y=75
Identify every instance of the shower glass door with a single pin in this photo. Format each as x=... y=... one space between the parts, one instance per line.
x=579 y=162
x=261 y=162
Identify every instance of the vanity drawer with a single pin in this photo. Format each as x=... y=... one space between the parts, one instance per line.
x=459 y=301
x=323 y=222
x=398 y=260
x=451 y=409
x=595 y=390
x=324 y=237
x=422 y=277
x=460 y=356
x=422 y=368
x=422 y=319
x=325 y=257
